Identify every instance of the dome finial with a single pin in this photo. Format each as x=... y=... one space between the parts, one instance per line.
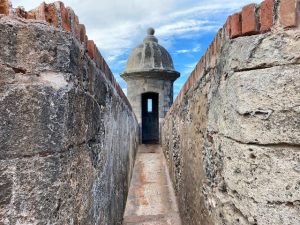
x=150 y=31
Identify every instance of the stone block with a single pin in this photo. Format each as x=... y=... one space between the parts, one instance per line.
x=250 y=52
x=262 y=182
x=260 y=106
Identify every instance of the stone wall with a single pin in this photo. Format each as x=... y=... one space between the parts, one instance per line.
x=68 y=136
x=232 y=137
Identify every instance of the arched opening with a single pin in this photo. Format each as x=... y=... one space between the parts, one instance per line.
x=150 y=124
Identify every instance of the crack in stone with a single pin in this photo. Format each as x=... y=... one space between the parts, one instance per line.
x=287 y=203
x=16 y=69
x=271 y=145
x=264 y=66
x=43 y=154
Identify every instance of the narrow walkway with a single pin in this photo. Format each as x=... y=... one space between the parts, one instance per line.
x=151 y=199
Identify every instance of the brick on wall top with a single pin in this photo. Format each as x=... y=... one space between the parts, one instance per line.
x=252 y=20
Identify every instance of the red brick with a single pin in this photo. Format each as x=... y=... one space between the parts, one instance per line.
x=39 y=12
x=198 y=70
x=102 y=66
x=249 y=20
x=4 y=7
x=185 y=87
x=288 y=13
x=82 y=33
x=218 y=43
x=85 y=41
x=21 y=12
x=31 y=15
x=98 y=58
x=108 y=74
x=77 y=27
x=236 y=25
x=227 y=26
x=72 y=19
x=192 y=77
x=202 y=61
x=114 y=84
x=65 y=17
x=91 y=48
x=266 y=15
x=208 y=58
x=51 y=15
x=189 y=83
x=109 y=71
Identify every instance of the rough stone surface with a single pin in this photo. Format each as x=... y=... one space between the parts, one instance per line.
x=67 y=139
x=233 y=141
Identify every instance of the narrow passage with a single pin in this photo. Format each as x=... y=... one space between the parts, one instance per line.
x=151 y=199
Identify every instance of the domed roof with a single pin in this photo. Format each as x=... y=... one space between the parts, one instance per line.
x=150 y=57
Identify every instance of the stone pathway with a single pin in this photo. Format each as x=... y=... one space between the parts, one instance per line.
x=151 y=199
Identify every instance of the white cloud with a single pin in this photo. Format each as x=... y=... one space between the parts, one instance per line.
x=188 y=68
x=197 y=48
x=117 y=26
x=183 y=27
x=182 y=51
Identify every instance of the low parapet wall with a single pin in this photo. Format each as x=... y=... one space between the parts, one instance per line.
x=232 y=136
x=64 y=18
x=68 y=136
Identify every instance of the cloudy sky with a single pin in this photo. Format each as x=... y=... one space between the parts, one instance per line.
x=184 y=27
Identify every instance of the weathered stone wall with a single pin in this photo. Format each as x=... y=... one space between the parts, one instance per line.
x=68 y=136
x=232 y=137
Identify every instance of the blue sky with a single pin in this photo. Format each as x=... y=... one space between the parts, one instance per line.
x=184 y=27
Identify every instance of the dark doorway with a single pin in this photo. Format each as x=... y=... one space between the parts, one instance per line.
x=150 y=127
